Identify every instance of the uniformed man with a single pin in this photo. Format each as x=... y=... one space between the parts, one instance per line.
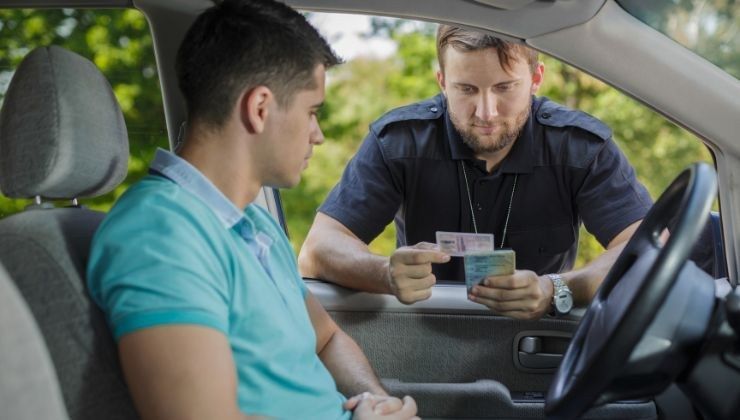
x=484 y=156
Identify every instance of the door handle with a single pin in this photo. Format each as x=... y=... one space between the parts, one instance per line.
x=531 y=355
x=540 y=351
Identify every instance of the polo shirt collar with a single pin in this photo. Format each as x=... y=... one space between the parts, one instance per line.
x=519 y=159
x=181 y=172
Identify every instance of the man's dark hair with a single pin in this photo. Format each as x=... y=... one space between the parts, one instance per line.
x=241 y=44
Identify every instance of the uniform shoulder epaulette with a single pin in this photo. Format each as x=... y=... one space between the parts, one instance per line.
x=425 y=110
x=556 y=115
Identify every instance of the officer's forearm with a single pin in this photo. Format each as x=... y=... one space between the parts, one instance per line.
x=333 y=253
x=585 y=281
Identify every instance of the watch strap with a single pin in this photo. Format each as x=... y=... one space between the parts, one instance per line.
x=559 y=286
x=557 y=281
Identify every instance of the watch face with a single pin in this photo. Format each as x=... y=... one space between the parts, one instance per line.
x=564 y=302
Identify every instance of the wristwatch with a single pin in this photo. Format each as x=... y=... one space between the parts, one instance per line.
x=562 y=297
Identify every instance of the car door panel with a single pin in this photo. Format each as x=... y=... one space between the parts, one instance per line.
x=444 y=339
x=454 y=356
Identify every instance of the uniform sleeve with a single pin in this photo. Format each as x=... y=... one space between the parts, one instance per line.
x=610 y=197
x=156 y=270
x=368 y=195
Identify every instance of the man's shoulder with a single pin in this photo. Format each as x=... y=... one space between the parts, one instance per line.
x=149 y=193
x=154 y=203
x=413 y=131
x=430 y=109
x=570 y=137
x=553 y=114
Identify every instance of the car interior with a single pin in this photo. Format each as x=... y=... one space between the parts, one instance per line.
x=660 y=340
x=29 y=387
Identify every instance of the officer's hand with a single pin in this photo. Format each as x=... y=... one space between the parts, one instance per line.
x=522 y=295
x=410 y=276
x=372 y=407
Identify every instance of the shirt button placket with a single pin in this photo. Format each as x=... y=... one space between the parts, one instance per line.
x=479 y=192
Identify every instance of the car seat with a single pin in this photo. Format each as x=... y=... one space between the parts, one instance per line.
x=28 y=385
x=63 y=137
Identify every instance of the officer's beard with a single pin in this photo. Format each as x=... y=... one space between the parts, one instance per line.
x=494 y=142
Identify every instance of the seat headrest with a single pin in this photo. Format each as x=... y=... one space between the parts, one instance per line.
x=62 y=133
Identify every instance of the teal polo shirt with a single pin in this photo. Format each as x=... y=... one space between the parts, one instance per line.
x=174 y=250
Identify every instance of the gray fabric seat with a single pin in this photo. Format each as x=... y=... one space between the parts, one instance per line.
x=62 y=136
x=28 y=384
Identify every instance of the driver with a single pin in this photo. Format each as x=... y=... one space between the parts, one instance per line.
x=484 y=156
x=211 y=318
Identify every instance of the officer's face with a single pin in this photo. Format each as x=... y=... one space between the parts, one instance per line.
x=488 y=105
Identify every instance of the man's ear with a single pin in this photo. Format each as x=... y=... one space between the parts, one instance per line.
x=537 y=77
x=254 y=108
x=441 y=82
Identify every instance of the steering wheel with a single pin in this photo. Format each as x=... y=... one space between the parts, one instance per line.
x=631 y=294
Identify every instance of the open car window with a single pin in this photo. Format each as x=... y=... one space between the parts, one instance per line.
x=392 y=62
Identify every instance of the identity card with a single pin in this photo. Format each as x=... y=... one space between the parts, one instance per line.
x=458 y=244
x=479 y=265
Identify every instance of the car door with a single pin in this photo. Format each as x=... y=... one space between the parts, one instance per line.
x=454 y=356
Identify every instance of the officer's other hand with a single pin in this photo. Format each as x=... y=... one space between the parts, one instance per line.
x=522 y=295
x=410 y=276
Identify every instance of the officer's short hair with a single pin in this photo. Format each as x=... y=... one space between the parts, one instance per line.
x=465 y=40
x=241 y=44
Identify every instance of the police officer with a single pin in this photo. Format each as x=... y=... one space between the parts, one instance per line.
x=484 y=156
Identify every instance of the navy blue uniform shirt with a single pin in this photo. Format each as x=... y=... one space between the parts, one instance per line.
x=568 y=171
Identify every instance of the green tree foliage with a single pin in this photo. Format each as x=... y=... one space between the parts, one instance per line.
x=120 y=44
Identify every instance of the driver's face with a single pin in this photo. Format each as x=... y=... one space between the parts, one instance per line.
x=297 y=131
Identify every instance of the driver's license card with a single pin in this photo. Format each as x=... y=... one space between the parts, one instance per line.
x=479 y=265
x=457 y=244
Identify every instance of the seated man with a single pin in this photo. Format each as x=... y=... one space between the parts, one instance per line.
x=485 y=156
x=199 y=285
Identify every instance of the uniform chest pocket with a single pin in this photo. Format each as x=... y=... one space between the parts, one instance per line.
x=542 y=241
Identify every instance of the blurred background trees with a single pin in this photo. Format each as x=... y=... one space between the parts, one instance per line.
x=358 y=92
